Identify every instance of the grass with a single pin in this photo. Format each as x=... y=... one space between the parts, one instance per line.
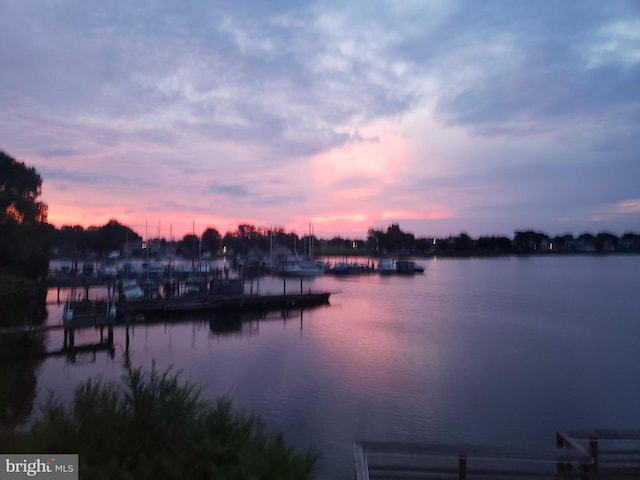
x=154 y=425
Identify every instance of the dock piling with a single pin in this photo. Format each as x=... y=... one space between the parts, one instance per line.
x=462 y=466
x=593 y=451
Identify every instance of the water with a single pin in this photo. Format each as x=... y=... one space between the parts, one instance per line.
x=499 y=351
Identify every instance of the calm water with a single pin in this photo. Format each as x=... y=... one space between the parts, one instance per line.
x=487 y=351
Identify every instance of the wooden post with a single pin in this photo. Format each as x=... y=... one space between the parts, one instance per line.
x=71 y=337
x=593 y=451
x=462 y=466
x=284 y=285
x=300 y=285
x=560 y=443
x=58 y=295
x=110 y=335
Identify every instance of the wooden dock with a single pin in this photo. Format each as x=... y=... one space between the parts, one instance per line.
x=601 y=454
x=97 y=320
x=100 y=316
x=226 y=303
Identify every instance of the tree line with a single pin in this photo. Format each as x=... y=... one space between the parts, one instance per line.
x=98 y=241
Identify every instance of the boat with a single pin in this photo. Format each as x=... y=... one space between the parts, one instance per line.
x=131 y=290
x=296 y=266
x=341 y=268
x=110 y=270
x=344 y=268
x=386 y=266
x=408 y=267
x=303 y=266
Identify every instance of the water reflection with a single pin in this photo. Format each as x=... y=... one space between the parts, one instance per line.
x=490 y=351
x=20 y=359
x=235 y=324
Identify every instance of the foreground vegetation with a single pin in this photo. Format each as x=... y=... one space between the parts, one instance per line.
x=24 y=236
x=156 y=426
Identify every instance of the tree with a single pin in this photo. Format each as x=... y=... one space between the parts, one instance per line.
x=211 y=240
x=24 y=233
x=20 y=187
x=114 y=235
x=188 y=246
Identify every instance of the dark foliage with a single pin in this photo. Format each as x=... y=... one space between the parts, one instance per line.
x=155 y=426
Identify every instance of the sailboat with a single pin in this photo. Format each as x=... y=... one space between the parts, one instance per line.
x=300 y=266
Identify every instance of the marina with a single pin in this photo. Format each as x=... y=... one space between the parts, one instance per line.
x=496 y=355
x=106 y=314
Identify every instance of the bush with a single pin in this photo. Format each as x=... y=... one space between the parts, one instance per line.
x=155 y=426
x=15 y=291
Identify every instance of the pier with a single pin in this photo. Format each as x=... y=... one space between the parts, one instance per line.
x=193 y=303
x=105 y=315
x=96 y=320
x=597 y=454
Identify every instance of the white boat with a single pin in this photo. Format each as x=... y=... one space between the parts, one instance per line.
x=386 y=266
x=110 y=270
x=296 y=266
x=131 y=290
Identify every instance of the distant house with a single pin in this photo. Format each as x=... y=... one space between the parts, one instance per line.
x=545 y=245
x=629 y=242
x=586 y=244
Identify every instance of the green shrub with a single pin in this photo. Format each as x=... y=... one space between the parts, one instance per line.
x=155 y=426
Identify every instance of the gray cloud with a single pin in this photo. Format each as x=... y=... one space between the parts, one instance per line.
x=197 y=86
x=541 y=65
x=234 y=191
x=58 y=152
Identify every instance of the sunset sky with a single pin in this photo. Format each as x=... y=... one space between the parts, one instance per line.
x=442 y=116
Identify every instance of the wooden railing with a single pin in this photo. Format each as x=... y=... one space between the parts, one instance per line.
x=615 y=452
x=585 y=455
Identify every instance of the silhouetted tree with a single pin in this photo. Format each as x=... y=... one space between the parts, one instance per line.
x=463 y=243
x=630 y=242
x=528 y=241
x=211 y=240
x=24 y=233
x=20 y=189
x=188 y=246
x=606 y=242
x=493 y=245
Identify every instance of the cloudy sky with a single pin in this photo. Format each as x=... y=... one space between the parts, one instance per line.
x=443 y=116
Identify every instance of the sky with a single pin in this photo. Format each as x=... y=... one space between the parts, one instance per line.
x=442 y=116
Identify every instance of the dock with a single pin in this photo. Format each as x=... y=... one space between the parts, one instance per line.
x=596 y=454
x=100 y=315
x=226 y=303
